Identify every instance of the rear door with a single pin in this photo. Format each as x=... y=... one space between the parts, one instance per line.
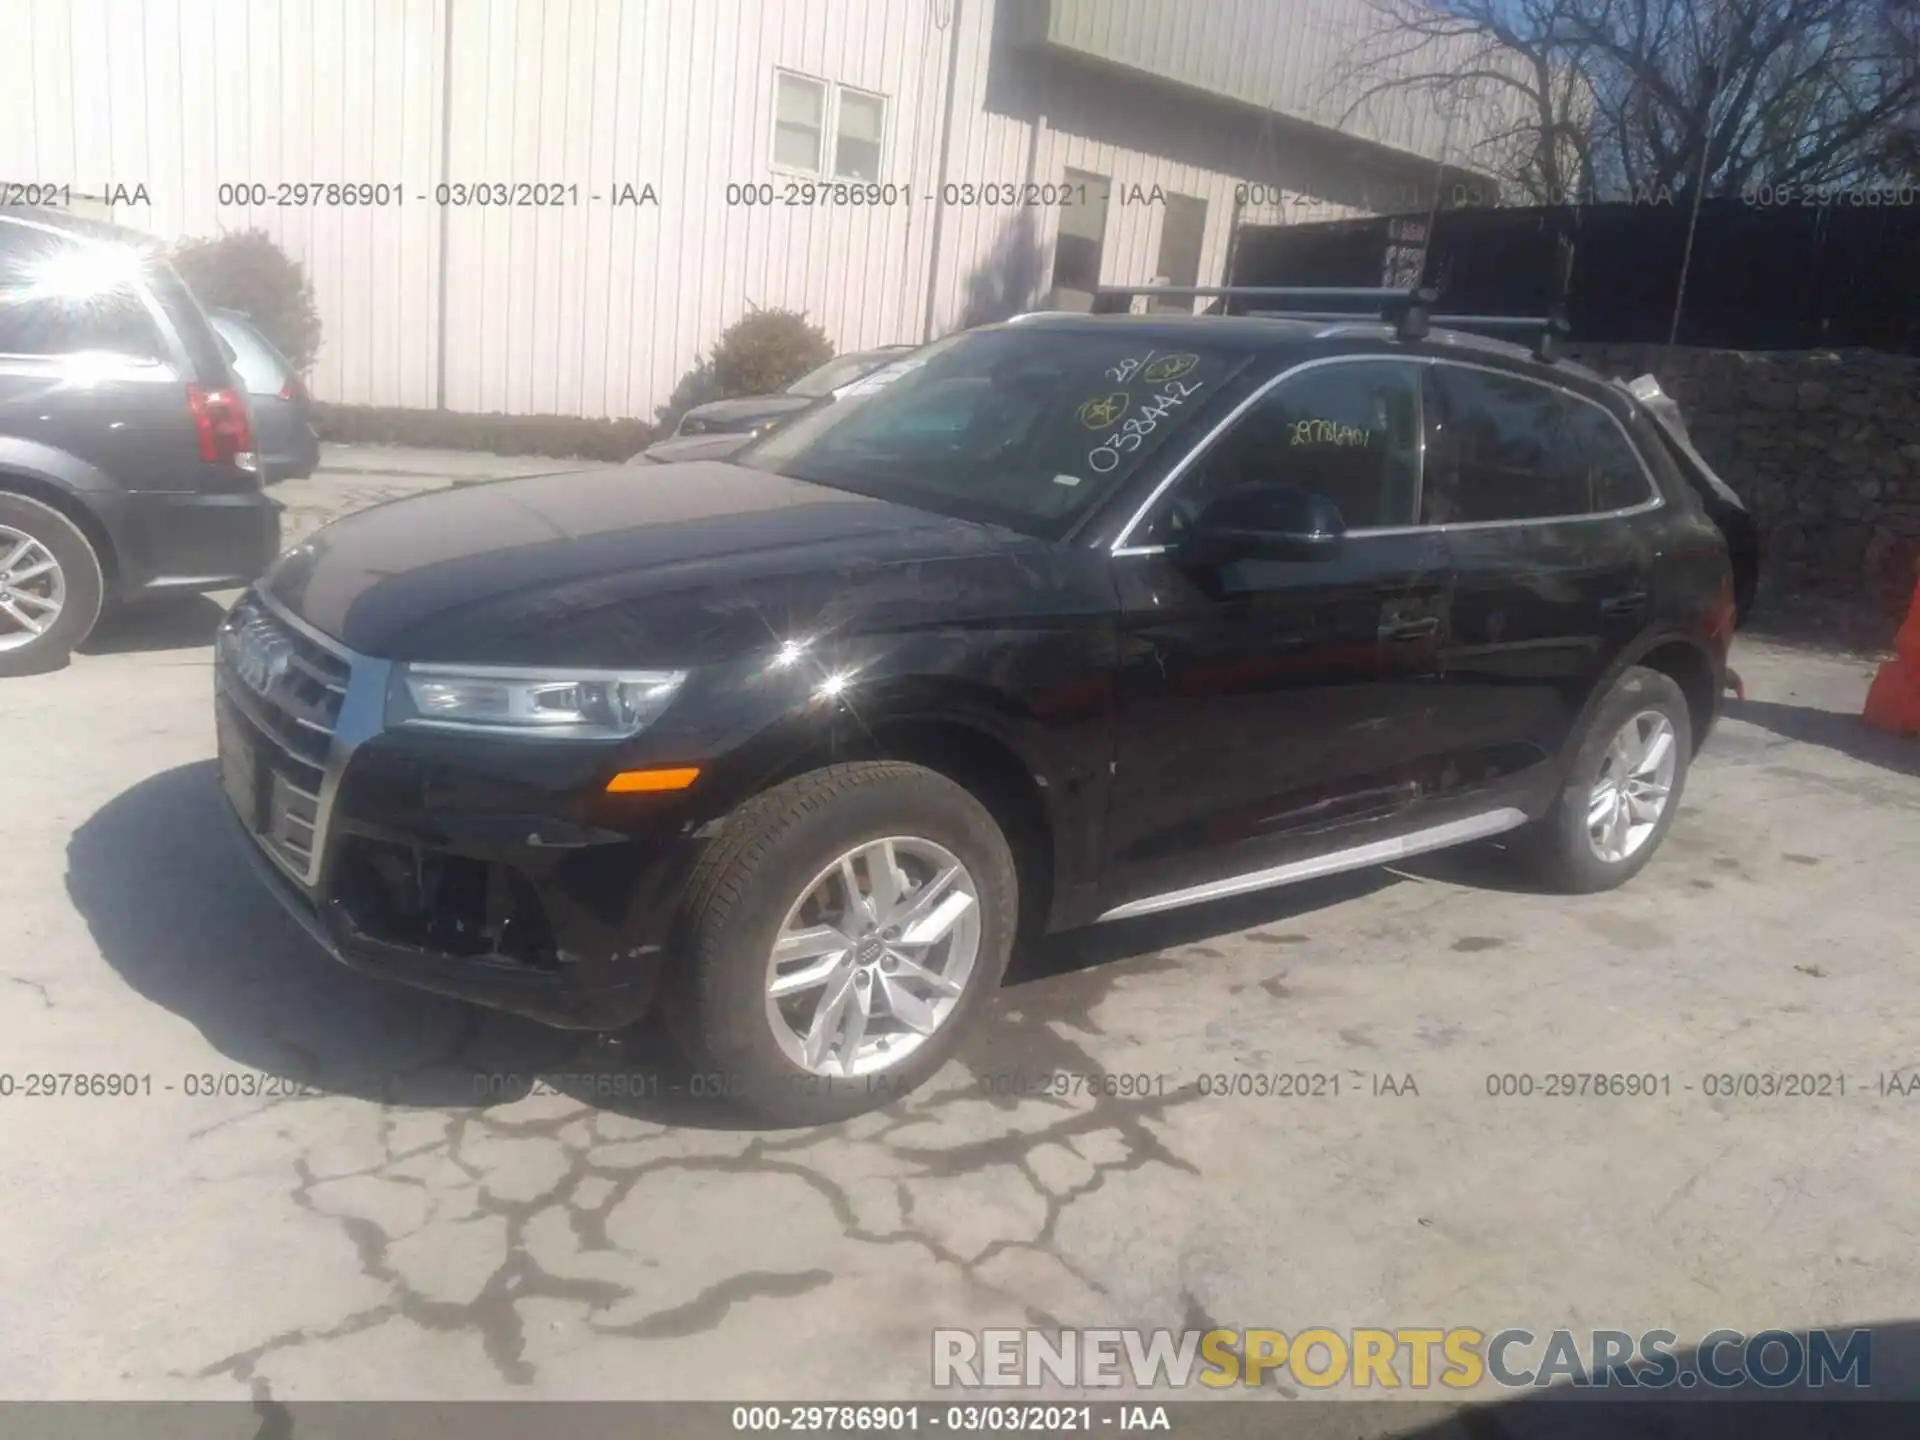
x=1543 y=502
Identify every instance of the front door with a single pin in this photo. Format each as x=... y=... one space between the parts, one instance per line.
x=1269 y=708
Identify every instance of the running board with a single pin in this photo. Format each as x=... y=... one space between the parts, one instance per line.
x=1358 y=857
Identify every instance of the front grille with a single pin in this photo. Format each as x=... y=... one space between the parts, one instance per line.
x=289 y=688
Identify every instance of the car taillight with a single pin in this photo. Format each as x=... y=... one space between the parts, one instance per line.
x=225 y=428
x=1725 y=611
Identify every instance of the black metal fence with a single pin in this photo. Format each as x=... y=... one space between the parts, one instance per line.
x=1775 y=276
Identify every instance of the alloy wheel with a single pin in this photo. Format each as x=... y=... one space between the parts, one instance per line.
x=873 y=957
x=33 y=589
x=1633 y=788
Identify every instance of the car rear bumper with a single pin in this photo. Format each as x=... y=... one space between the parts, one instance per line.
x=172 y=543
x=299 y=460
x=289 y=447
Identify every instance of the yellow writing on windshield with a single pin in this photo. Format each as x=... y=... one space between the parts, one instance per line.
x=1327 y=432
x=1168 y=367
x=1102 y=410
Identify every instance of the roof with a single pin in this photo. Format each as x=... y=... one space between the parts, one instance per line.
x=1266 y=333
x=59 y=220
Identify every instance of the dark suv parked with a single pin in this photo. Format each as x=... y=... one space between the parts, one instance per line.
x=127 y=464
x=1072 y=620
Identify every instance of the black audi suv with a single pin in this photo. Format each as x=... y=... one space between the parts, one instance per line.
x=1072 y=619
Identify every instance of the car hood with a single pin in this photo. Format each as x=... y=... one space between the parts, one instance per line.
x=741 y=413
x=642 y=564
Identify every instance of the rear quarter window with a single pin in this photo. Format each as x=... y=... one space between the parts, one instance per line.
x=1616 y=477
x=189 y=322
x=259 y=366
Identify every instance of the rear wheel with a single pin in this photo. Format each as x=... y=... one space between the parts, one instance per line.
x=51 y=586
x=843 y=931
x=1622 y=791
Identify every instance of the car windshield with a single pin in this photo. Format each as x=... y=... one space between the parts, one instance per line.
x=841 y=370
x=1028 y=428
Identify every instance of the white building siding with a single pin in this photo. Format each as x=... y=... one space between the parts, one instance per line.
x=592 y=308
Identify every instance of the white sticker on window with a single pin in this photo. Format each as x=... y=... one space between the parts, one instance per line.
x=1066 y=479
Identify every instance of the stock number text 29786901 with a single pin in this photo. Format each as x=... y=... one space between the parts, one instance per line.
x=810 y=194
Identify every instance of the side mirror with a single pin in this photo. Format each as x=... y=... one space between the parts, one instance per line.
x=1263 y=522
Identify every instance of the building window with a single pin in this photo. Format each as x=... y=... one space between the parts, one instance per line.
x=860 y=122
x=807 y=111
x=799 y=122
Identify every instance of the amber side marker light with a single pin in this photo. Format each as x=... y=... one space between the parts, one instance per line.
x=634 y=782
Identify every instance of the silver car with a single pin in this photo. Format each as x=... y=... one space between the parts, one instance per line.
x=277 y=397
x=715 y=430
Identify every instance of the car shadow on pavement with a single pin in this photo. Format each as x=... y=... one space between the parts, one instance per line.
x=180 y=622
x=1848 y=734
x=175 y=908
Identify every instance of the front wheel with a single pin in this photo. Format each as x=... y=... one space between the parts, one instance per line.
x=841 y=933
x=1622 y=791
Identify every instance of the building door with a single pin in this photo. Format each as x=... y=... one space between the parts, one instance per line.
x=1183 y=228
x=1078 y=251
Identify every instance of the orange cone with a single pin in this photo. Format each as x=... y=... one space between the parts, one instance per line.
x=1894 y=701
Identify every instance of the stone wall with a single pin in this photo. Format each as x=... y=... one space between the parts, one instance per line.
x=1823 y=446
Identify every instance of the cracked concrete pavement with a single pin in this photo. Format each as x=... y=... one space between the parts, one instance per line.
x=455 y=1204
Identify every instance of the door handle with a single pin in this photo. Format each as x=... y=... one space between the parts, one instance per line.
x=1411 y=629
x=1632 y=604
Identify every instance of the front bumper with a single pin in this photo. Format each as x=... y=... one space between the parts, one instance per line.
x=489 y=870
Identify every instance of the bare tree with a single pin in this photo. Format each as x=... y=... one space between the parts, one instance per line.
x=1739 y=93
x=1507 y=75
x=1630 y=97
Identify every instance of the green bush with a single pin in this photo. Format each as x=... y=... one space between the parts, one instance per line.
x=696 y=387
x=561 y=436
x=765 y=351
x=246 y=271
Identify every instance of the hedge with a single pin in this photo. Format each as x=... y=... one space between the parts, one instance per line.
x=562 y=436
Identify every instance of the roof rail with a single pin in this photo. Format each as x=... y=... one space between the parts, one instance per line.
x=1409 y=311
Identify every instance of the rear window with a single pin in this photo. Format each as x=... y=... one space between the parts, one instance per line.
x=189 y=322
x=59 y=296
x=1029 y=428
x=1617 y=479
x=261 y=368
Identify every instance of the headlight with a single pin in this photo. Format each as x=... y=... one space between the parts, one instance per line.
x=556 y=704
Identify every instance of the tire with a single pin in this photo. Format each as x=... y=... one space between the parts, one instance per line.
x=78 y=583
x=758 y=871
x=1560 y=848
